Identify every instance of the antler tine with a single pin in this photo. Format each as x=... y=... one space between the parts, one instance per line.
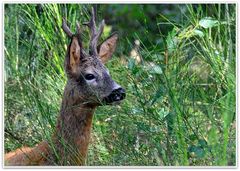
x=93 y=21
x=94 y=34
x=78 y=29
x=66 y=28
x=79 y=34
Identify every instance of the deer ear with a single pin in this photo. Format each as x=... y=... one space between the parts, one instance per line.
x=106 y=49
x=74 y=55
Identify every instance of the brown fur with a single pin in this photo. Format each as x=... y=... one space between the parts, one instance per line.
x=81 y=96
x=27 y=156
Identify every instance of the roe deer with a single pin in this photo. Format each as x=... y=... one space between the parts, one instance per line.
x=89 y=85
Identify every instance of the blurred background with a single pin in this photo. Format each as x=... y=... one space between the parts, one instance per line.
x=176 y=62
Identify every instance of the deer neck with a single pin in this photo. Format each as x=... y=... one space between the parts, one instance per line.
x=73 y=131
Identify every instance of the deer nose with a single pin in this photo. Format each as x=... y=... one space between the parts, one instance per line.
x=116 y=95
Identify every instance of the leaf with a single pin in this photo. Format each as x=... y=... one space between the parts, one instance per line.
x=192 y=137
x=133 y=67
x=152 y=68
x=197 y=150
x=156 y=70
x=202 y=143
x=200 y=153
x=172 y=41
x=157 y=57
x=131 y=63
x=208 y=22
x=162 y=113
x=198 y=32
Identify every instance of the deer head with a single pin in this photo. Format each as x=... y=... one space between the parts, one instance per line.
x=89 y=81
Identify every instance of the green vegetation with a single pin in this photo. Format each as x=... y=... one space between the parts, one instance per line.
x=180 y=105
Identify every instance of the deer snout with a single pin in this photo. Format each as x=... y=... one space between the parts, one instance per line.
x=116 y=95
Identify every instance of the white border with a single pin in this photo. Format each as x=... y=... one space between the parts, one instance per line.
x=123 y=2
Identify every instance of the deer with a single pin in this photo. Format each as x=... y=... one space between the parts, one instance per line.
x=88 y=86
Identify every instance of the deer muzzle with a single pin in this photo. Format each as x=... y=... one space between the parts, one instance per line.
x=116 y=96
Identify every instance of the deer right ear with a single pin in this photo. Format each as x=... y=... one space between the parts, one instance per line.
x=74 y=55
x=106 y=49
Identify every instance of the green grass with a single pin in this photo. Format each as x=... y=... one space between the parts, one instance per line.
x=180 y=105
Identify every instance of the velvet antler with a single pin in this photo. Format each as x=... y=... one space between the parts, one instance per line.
x=94 y=33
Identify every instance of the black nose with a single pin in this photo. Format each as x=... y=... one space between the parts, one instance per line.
x=116 y=95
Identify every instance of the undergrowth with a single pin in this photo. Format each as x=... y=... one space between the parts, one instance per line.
x=180 y=105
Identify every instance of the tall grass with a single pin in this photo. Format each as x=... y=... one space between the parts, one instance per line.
x=180 y=105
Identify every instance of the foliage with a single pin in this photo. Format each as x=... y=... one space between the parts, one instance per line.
x=180 y=82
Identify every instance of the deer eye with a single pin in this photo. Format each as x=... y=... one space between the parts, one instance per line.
x=89 y=77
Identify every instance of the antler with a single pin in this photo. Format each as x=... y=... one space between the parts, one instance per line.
x=66 y=29
x=94 y=33
x=78 y=29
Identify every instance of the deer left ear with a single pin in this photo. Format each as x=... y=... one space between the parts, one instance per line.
x=106 y=49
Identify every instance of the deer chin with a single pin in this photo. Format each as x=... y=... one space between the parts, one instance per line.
x=107 y=102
